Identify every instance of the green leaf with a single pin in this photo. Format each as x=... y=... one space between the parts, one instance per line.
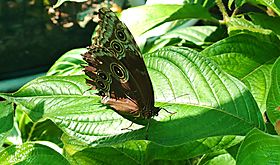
x=6 y=116
x=24 y=124
x=46 y=131
x=249 y=57
x=143 y=18
x=259 y=148
x=234 y=149
x=197 y=99
x=49 y=95
x=209 y=105
x=225 y=159
x=31 y=153
x=267 y=22
x=220 y=157
x=72 y=144
x=230 y=2
x=14 y=136
x=146 y=152
x=239 y=3
x=101 y=155
x=60 y=2
x=238 y=25
x=68 y=64
x=6 y=120
x=268 y=3
x=277 y=4
x=168 y=162
x=272 y=4
x=273 y=99
x=195 y=34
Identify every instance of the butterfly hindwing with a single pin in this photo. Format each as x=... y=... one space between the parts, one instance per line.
x=117 y=70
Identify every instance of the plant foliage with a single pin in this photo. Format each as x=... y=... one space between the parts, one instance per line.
x=219 y=77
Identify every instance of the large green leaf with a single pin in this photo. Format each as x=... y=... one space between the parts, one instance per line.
x=147 y=152
x=50 y=95
x=249 y=57
x=209 y=104
x=259 y=148
x=143 y=18
x=31 y=153
x=273 y=99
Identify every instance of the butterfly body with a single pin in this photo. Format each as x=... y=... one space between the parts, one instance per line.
x=117 y=70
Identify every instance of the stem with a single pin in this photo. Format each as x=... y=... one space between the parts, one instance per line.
x=223 y=10
x=234 y=12
x=203 y=156
x=21 y=121
x=31 y=131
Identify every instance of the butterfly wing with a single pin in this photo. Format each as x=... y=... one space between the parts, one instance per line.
x=117 y=69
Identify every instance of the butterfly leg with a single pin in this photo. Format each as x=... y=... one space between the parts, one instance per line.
x=147 y=129
x=128 y=128
x=172 y=113
x=86 y=91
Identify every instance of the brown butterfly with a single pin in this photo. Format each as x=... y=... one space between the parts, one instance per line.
x=117 y=70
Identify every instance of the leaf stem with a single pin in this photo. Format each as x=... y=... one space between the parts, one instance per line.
x=201 y=158
x=31 y=131
x=21 y=121
x=235 y=11
x=223 y=10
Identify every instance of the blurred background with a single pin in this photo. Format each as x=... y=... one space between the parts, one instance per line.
x=34 y=34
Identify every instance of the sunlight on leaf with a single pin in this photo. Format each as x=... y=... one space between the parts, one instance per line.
x=210 y=107
x=249 y=57
x=60 y=2
x=184 y=82
x=221 y=157
x=143 y=18
x=235 y=25
x=195 y=34
x=31 y=153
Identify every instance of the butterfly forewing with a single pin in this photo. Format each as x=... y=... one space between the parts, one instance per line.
x=117 y=70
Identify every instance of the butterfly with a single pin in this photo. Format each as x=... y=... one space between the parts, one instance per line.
x=116 y=69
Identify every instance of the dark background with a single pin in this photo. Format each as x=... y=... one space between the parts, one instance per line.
x=30 y=42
